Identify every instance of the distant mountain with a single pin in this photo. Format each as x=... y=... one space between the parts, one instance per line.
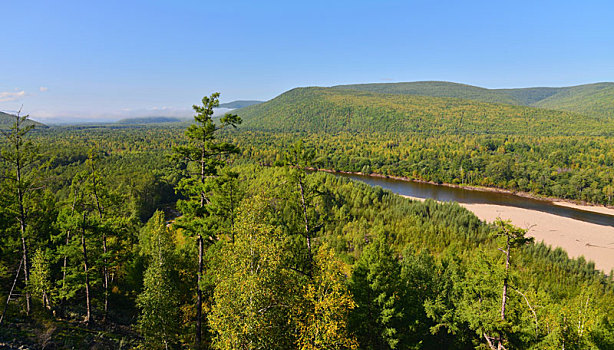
x=7 y=120
x=435 y=89
x=332 y=110
x=239 y=104
x=150 y=120
x=592 y=99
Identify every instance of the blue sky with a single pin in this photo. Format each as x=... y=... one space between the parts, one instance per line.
x=108 y=59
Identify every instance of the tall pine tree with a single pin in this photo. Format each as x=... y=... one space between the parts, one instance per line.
x=204 y=155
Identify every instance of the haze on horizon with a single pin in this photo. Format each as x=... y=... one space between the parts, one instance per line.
x=83 y=61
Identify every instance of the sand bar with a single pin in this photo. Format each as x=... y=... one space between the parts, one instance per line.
x=578 y=238
x=593 y=208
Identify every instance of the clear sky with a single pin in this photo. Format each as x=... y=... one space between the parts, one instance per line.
x=90 y=59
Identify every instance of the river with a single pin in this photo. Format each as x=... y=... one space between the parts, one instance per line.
x=580 y=232
x=461 y=195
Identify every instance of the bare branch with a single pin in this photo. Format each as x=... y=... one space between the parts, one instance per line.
x=531 y=308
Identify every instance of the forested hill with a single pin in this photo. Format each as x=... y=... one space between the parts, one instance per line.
x=436 y=89
x=150 y=120
x=239 y=104
x=333 y=110
x=7 y=120
x=592 y=99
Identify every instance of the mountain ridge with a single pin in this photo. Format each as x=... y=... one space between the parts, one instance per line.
x=594 y=99
x=7 y=120
x=239 y=104
x=149 y=120
x=331 y=110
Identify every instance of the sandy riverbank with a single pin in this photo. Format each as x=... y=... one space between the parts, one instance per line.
x=578 y=238
x=593 y=208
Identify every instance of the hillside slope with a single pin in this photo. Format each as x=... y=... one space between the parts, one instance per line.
x=591 y=99
x=333 y=110
x=7 y=120
x=149 y=120
x=239 y=104
x=435 y=89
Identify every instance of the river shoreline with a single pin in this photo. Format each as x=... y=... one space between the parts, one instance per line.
x=575 y=204
x=593 y=242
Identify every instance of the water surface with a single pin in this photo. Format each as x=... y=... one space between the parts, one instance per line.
x=461 y=195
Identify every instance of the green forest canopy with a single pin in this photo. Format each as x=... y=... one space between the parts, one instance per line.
x=591 y=99
x=331 y=110
x=398 y=271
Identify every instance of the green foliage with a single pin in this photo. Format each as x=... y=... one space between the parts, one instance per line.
x=328 y=110
x=436 y=89
x=591 y=99
x=149 y=120
x=433 y=270
x=7 y=120
x=159 y=320
x=580 y=168
x=376 y=288
x=40 y=279
x=204 y=156
x=239 y=104
x=253 y=294
x=322 y=314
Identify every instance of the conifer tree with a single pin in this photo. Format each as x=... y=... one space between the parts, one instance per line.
x=514 y=237
x=81 y=225
x=204 y=156
x=375 y=286
x=40 y=279
x=20 y=156
x=298 y=158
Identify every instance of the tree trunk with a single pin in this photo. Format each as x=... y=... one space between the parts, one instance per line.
x=22 y=230
x=8 y=298
x=88 y=309
x=105 y=270
x=505 y=279
x=307 y=230
x=199 y=293
x=505 y=282
x=232 y=214
x=25 y=264
x=64 y=266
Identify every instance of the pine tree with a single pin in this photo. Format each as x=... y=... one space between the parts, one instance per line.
x=205 y=156
x=375 y=285
x=514 y=238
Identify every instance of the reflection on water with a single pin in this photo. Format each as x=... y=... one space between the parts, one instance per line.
x=453 y=194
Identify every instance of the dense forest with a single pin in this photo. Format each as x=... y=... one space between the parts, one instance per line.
x=443 y=140
x=590 y=99
x=574 y=168
x=173 y=235
x=332 y=110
